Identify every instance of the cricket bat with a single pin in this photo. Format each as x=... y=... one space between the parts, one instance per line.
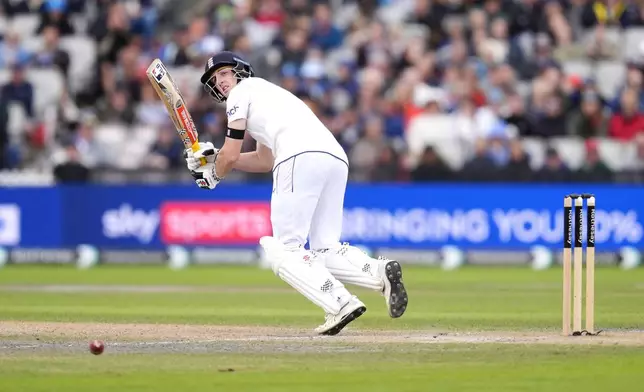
x=175 y=104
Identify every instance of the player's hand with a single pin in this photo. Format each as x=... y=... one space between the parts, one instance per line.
x=206 y=176
x=206 y=150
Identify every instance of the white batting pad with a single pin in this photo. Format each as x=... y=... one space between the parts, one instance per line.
x=352 y=266
x=300 y=270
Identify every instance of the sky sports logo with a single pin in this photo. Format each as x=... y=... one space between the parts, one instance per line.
x=9 y=224
x=208 y=223
x=125 y=221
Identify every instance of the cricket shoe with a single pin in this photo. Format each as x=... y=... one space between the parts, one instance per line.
x=334 y=323
x=394 y=290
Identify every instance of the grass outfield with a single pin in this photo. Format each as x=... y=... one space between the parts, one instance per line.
x=475 y=329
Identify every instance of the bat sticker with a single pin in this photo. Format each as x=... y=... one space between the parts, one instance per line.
x=158 y=72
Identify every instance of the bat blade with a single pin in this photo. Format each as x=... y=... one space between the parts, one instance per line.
x=175 y=104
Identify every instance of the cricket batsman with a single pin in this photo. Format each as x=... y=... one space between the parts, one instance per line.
x=310 y=171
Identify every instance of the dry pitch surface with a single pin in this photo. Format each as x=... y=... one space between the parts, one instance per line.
x=30 y=337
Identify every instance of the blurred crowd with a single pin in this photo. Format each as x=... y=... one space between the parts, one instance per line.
x=414 y=90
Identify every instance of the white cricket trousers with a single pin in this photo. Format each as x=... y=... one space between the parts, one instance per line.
x=308 y=200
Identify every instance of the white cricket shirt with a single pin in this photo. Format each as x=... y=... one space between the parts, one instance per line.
x=280 y=120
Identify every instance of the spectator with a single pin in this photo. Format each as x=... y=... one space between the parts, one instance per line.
x=634 y=81
x=242 y=46
x=431 y=14
x=589 y=120
x=313 y=75
x=151 y=110
x=365 y=153
x=630 y=121
x=71 y=170
x=457 y=74
x=394 y=121
x=481 y=167
x=89 y=152
x=55 y=13
x=167 y=151
x=472 y=87
x=500 y=84
x=19 y=90
x=607 y=13
x=12 y=8
x=346 y=81
x=518 y=167
x=590 y=86
x=465 y=126
x=270 y=12
x=554 y=169
x=557 y=26
x=144 y=19
x=118 y=108
x=498 y=148
x=593 y=169
x=374 y=49
x=293 y=51
x=202 y=42
x=387 y=168
x=498 y=42
x=51 y=55
x=12 y=51
x=178 y=52
x=548 y=106
x=431 y=168
x=325 y=34
x=542 y=57
x=129 y=71
x=514 y=114
x=574 y=12
x=414 y=51
x=112 y=33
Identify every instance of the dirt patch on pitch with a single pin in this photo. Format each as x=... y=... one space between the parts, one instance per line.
x=16 y=336
x=147 y=332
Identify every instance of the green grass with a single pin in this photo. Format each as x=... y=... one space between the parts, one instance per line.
x=470 y=299
x=437 y=368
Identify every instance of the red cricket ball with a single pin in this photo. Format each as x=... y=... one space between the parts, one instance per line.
x=96 y=347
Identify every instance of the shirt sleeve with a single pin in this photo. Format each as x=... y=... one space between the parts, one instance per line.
x=237 y=104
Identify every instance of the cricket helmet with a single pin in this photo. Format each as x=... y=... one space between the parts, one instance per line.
x=241 y=69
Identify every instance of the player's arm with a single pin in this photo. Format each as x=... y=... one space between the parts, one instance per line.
x=231 y=150
x=258 y=161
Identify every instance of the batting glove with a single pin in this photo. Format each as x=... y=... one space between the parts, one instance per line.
x=206 y=176
x=206 y=150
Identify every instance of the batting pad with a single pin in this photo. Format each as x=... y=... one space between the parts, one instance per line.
x=352 y=266
x=310 y=278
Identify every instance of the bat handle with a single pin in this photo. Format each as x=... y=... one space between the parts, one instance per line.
x=195 y=148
